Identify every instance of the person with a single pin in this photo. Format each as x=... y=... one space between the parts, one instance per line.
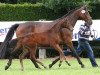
x=83 y=43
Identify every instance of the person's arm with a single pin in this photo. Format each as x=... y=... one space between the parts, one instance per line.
x=82 y=30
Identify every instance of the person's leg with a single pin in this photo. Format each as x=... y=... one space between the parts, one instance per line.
x=79 y=49
x=90 y=53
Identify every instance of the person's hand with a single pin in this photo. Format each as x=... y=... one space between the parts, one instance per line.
x=92 y=36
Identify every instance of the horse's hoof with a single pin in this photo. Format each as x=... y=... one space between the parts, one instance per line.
x=6 y=67
x=69 y=65
x=38 y=67
x=22 y=69
x=50 y=65
x=45 y=67
x=59 y=65
x=82 y=66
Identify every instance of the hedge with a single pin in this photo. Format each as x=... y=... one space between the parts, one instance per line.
x=95 y=11
x=26 y=12
x=32 y=12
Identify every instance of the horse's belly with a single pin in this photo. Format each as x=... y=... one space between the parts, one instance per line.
x=43 y=41
x=47 y=40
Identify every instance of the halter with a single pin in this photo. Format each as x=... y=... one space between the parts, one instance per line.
x=71 y=29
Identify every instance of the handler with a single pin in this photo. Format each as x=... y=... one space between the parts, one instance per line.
x=83 y=43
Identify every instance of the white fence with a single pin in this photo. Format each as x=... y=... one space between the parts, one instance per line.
x=4 y=27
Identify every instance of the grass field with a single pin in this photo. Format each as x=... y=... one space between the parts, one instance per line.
x=29 y=68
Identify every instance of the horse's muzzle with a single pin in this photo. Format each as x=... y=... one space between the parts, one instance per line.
x=90 y=22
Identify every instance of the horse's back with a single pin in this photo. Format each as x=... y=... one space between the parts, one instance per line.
x=33 y=26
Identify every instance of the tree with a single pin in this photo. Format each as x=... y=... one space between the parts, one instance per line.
x=64 y=5
x=3 y=1
x=29 y=1
x=13 y=1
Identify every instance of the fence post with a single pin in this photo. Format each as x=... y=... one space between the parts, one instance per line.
x=42 y=53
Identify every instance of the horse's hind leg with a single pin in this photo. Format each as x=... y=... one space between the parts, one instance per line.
x=22 y=55
x=11 y=56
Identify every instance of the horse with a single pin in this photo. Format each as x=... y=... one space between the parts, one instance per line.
x=37 y=27
x=23 y=52
x=51 y=38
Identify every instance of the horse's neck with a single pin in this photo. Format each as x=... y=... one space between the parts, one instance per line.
x=72 y=18
x=56 y=27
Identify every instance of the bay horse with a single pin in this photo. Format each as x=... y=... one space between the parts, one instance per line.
x=38 y=27
x=24 y=51
x=31 y=41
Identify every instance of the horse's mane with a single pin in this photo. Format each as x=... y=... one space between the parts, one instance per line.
x=70 y=12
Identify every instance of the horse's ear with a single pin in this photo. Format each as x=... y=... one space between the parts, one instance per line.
x=84 y=7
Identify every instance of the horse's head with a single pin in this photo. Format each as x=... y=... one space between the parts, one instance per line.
x=84 y=15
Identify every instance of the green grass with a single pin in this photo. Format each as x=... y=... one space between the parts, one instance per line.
x=29 y=68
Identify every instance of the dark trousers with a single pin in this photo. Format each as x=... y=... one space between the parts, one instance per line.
x=84 y=45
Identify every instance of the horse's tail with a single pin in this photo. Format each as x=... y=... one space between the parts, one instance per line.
x=10 y=47
x=7 y=39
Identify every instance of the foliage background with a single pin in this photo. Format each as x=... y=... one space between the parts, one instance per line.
x=26 y=12
x=19 y=10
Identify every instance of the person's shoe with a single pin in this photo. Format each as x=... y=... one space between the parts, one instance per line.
x=94 y=65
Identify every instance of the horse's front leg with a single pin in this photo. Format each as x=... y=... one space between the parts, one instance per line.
x=58 y=48
x=57 y=59
x=67 y=37
x=40 y=62
x=70 y=45
x=32 y=56
x=60 y=63
x=33 y=52
x=54 y=62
